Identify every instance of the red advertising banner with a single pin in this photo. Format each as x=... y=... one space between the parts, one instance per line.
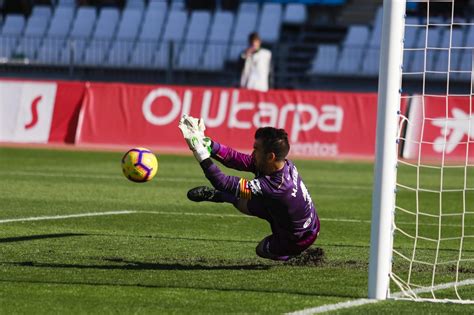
x=69 y=97
x=39 y=111
x=440 y=129
x=319 y=124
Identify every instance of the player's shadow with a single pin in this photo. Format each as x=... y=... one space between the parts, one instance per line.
x=37 y=237
x=120 y=264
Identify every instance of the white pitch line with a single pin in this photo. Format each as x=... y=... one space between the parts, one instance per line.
x=68 y=216
x=359 y=302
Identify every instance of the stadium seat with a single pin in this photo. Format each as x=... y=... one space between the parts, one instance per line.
x=465 y=65
x=295 y=13
x=190 y=55
x=126 y=35
x=160 y=5
x=173 y=35
x=418 y=63
x=135 y=4
x=370 y=66
x=410 y=41
x=217 y=45
x=326 y=59
x=81 y=31
x=66 y=3
x=178 y=5
x=41 y=10
x=150 y=34
x=55 y=39
x=11 y=31
x=270 y=22
x=245 y=24
x=102 y=37
x=352 y=51
x=33 y=35
x=466 y=55
x=441 y=57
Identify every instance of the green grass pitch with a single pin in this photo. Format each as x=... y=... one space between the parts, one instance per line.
x=169 y=255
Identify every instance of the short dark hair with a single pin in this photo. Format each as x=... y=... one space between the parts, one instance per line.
x=253 y=36
x=274 y=140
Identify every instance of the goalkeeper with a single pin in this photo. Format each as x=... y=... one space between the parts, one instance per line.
x=277 y=194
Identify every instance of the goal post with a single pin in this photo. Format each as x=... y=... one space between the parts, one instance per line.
x=383 y=199
x=422 y=228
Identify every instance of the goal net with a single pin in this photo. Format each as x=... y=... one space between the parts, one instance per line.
x=433 y=217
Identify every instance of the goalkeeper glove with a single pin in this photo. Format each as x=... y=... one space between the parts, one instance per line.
x=194 y=138
x=189 y=124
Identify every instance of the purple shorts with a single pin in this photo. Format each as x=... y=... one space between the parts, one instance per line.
x=279 y=246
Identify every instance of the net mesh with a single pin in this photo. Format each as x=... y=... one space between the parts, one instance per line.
x=433 y=230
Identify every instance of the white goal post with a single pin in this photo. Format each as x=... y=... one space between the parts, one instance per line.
x=383 y=200
x=422 y=230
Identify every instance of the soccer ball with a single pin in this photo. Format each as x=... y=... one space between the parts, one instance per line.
x=139 y=165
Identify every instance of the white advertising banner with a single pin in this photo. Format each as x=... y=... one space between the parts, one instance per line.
x=26 y=110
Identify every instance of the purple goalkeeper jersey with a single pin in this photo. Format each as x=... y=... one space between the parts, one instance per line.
x=281 y=197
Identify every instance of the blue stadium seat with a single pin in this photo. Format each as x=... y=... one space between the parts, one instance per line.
x=127 y=33
x=216 y=49
x=33 y=35
x=326 y=59
x=191 y=53
x=173 y=35
x=246 y=23
x=270 y=23
x=104 y=32
x=11 y=32
x=55 y=39
x=150 y=34
x=353 y=49
x=81 y=31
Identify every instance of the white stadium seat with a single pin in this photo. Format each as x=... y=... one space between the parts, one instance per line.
x=353 y=49
x=190 y=55
x=270 y=23
x=215 y=52
x=173 y=35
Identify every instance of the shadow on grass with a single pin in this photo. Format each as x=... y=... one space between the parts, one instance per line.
x=38 y=237
x=141 y=266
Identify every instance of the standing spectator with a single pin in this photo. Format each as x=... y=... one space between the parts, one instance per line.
x=257 y=67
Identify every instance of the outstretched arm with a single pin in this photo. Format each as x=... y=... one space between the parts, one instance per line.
x=219 y=180
x=232 y=158
x=239 y=187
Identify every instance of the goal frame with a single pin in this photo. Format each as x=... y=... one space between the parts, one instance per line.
x=385 y=172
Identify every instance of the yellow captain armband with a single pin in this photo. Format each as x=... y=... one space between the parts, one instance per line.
x=244 y=190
